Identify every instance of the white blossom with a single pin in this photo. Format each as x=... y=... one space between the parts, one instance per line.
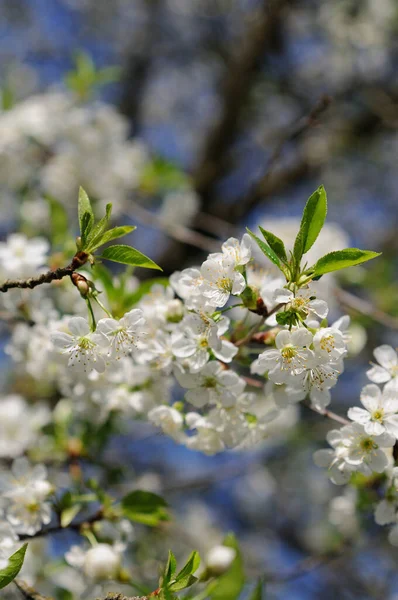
x=23 y=496
x=84 y=348
x=212 y=385
x=380 y=410
x=220 y=280
x=122 y=335
x=21 y=257
x=303 y=302
x=387 y=369
x=290 y=358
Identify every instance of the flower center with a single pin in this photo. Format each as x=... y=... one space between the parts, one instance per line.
x=85 y=344
x=203 y=343
x=288 y=353
x=327 y=343
x=367 y=445
x=225 y=284
x=210 y=382
x=378 y=415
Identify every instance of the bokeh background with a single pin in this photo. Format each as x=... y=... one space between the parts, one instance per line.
x=197 y=118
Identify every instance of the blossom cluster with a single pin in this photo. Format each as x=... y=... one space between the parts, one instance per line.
x=208 y=357
x=366 y=445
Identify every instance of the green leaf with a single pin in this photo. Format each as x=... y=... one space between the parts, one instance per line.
x=170 y=569
x=191 y=565
x=98 y=229
x=275 y=244
x=230 y=585
x=267 y=250
x=68 y=514
x=341 y=259
x=84 y=205
x=127 y=255
x=86 y=216
x=183 y=583
x=111 y=234
x=145 y=507
x=314 y=216
x=14 y=566
x=59 y=221
x=257 y=593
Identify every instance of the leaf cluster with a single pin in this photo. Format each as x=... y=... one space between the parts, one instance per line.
x=95 y=234
x=312 y=221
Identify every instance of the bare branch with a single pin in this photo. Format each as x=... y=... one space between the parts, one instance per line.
x=98 y=516
x=359 y=305
x=327 y=413
x=31 y=282
x=175 y=231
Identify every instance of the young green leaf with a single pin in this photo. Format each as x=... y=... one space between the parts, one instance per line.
x=170 y=569
x=68 y=514
x=190 y=566
x=314 y=216
x=341 y=259
x=15 y=563
x=267 y=250
x=84 y=206
x=127 y=255
x=85 y=228
x=145 y=507
x=108 y=236
x=275 y=244
x=98 y=229
x=183 y=583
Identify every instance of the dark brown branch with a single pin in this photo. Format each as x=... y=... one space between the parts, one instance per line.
x=175 y=231
x=269 y=182
x=78 y=260
x=98 y=516
x=235 y=92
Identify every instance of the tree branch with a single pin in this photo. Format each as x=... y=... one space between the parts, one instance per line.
x=327 y=413
x=78 y=261
x=98 y=516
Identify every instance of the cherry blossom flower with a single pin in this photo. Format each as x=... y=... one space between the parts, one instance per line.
x=84 y=348
x=380 y=411
x=122 y=335
x=212 y=385
x=387 y=369
x=220 y=280
x=303 y=302
x=289 y=359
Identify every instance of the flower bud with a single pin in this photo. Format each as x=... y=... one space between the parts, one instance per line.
x=175 y=311
x=219 y=559
x=102 y=562
x=82 y=284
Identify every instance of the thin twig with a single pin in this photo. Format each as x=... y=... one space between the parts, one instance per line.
x=307 y=565
x=28 y=592
x=175 y=231
x=248 y=337
x=98 y=516
x=31 y=282
x=327 y=413
x=364 y=307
